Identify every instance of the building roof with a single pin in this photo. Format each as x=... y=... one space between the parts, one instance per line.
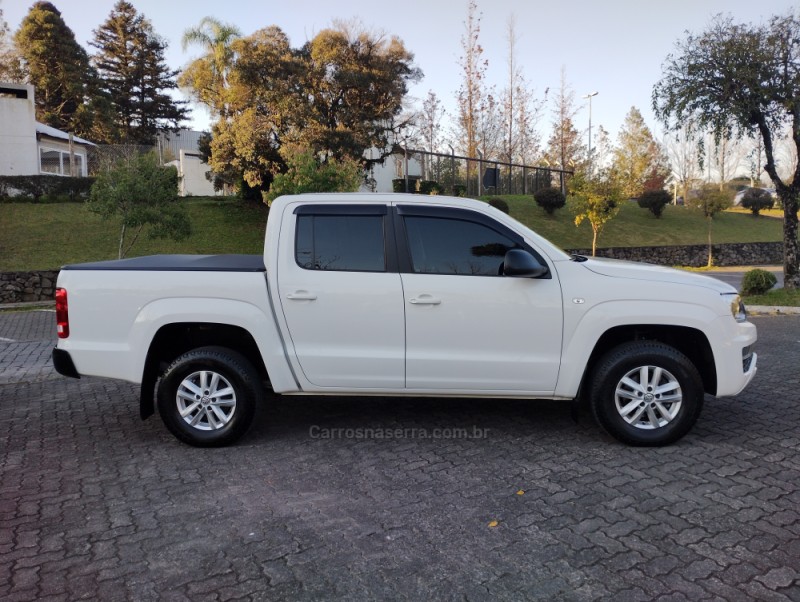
x=51 y=132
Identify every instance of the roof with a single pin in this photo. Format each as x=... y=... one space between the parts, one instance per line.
x=52 y=132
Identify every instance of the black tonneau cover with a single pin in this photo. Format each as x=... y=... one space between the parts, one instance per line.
x=179 y=263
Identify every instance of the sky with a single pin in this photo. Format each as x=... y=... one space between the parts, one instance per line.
x=612 y=47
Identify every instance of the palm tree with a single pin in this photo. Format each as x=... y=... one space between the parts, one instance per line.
x=207 y=77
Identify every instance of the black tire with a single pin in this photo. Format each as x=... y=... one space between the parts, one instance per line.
x=652 y=416
x=217 y=421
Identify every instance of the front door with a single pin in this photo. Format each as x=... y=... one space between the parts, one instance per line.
x=467 y=326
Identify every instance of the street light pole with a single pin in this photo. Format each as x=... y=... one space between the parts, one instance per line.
x=589 y=96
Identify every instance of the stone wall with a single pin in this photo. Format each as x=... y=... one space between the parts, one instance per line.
x=756 y=253
x=17 y=287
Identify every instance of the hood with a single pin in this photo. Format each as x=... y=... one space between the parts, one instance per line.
x=655 y=273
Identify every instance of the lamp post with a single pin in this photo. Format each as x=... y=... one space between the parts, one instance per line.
x=589 y=96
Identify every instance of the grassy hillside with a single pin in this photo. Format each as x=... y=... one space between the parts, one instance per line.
x=637 y=227
x=35 y=236
x=47 y=236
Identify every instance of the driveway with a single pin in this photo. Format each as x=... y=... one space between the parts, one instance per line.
x=466 y=500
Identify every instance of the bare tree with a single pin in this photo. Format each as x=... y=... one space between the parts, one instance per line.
x=529 y=113
x=514 y=83
x=682 y=151
x=490 y=128
x=729 y=152
x=470 y=94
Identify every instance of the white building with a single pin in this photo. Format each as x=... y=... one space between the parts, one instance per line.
x=28 y=147
x=193 y=172
x=393 y=167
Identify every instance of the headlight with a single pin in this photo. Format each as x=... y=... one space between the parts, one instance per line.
x=738 y=310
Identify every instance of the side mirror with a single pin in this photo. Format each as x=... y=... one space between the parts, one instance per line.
x=518 y=263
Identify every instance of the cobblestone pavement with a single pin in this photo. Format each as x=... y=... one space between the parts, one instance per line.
x=96 y=504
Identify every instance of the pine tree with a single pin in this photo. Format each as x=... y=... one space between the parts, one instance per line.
x=638 y=156
x=135 y=77
x=57 y=66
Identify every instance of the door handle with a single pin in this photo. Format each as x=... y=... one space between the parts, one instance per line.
x=301 y=296
x=425 y=300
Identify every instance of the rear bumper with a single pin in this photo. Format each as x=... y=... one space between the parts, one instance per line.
x=62 y=361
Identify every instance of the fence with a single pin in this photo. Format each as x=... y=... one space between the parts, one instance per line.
x=459 y=175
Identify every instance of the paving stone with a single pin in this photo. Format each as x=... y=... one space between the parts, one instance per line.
x=95 y=503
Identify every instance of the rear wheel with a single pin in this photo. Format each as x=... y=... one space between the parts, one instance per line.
x=208 y=396
x=646 y=393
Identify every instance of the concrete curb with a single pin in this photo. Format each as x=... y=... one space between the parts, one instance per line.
x=769 y=310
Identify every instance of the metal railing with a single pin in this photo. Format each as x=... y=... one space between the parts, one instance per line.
x=474 y=177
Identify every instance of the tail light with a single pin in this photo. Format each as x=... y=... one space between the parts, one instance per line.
x=62 y=313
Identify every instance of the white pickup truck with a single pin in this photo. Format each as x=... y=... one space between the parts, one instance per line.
x=389 y=294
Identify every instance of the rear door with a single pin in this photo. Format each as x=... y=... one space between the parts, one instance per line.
x=467 y=326
x=341 y=295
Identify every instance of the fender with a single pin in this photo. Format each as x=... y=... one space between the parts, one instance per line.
x=584 y=328
x=251 y=318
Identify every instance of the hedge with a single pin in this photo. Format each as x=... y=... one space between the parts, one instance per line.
x=44 y=188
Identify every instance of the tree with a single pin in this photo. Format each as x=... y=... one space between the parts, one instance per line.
x=596 y=200
x=511 y=93
x=489 y=126
x=682 y=152
x=430 y=126
x=727 y=157
x=135 y=77
x=745 y=77
x=207 y=77
x=10 y=61
x=529 y=112
x=141 y=194
x=471 y=93
x=58 y=67
x=711 y=201
x=305 y=173
x=339 y=95
x=637 y=156
x=564 y=148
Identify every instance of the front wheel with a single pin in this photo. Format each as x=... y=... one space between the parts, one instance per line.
x=646 y=393
x=208 y=396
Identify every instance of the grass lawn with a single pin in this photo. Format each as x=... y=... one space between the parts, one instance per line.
x=637 y=227
x=781 y=297
x=47 y=236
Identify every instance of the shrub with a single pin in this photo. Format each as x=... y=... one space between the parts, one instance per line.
x=758 y=282
x=549 y=199
x=499 y=204
x=45 y=188
x=429 y=187
x=654 y=201
x=756 y=200
x=399 y=185
x=459 y=190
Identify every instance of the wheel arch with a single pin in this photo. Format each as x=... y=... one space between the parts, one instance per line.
x=175 y=339
x=691 y=342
